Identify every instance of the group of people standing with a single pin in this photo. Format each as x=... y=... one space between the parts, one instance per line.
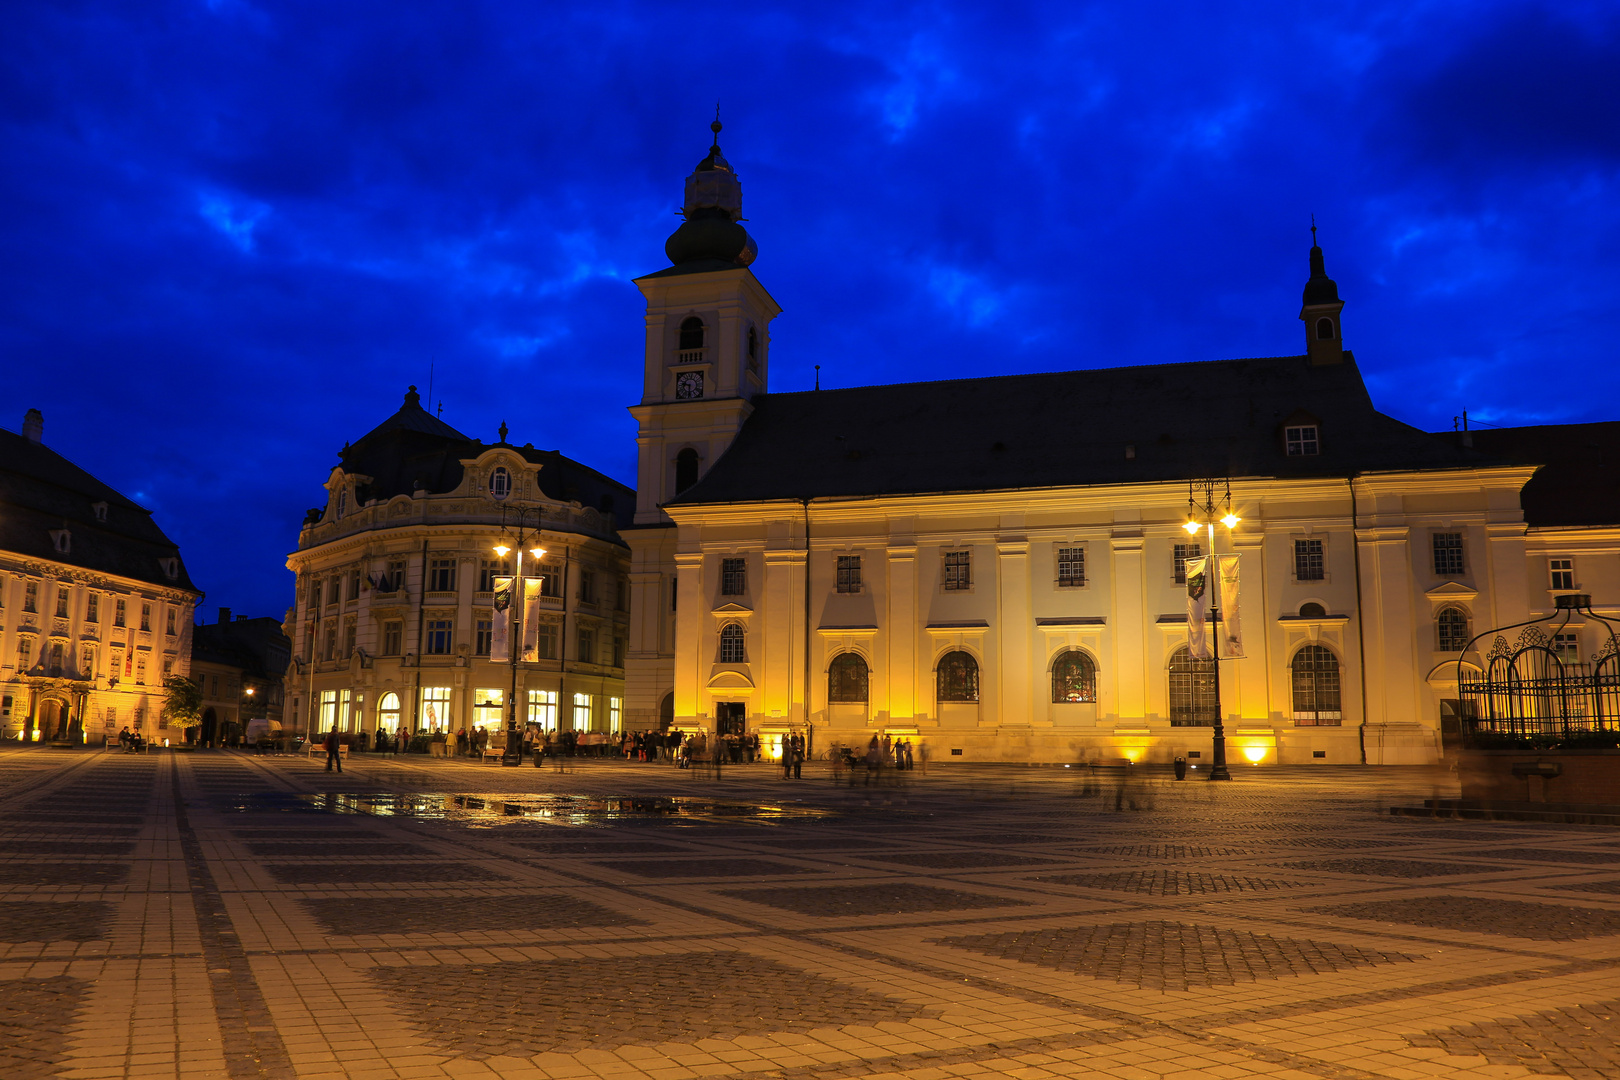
x=882 y=753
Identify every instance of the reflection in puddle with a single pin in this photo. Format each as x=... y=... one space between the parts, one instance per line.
x=490 y=810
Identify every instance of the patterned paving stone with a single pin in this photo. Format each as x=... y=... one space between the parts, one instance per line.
x=529 y=1008
x=397 y=873
x=21 y=873
x=826 y=843
x=1166 y=851
x=900 y=898
x=334 y=848
x=35 y=1015
x=650 y=868
x=435 y=915
x=1580 y=1042
x=1335 y=843
x=1394 y=868
x=1553 y=855
x=32 y=817
x=75 y=920
x=1170 y=955
x=598 y=847
x=1171 y=882
x=1610 y=888
x=335 y=832
x=1012 y=838
x=63 y=846
x=1510 y=918
x=958 y=860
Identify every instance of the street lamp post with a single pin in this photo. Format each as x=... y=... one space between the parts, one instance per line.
x=513 y=754
x=1202 y=516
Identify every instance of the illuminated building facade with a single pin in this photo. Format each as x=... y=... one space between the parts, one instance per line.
x=95 y=602
x=394 y=616
x=995 y=566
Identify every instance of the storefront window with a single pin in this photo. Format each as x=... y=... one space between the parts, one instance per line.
x=435 y=712
x=388 y=711
x=543 y=709
x=489 y=709
x=582 y=712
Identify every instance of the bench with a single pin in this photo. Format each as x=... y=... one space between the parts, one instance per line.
x=493 y=753
x=316 y=749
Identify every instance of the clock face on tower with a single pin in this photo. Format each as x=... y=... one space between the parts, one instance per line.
x=689 y=385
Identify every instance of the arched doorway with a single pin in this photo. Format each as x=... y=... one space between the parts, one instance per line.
x=210 y=727
x=53 y=720
x=666 y=711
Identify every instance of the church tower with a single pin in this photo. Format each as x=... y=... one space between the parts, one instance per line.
x=1320 y=312
x=707 y=357
x=708 y=339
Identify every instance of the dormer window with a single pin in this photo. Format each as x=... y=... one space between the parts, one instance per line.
x=100 y=510
x=343 y=503
x=62 y=540
x=1302 y=441
x=690 y=346
x=500 y=483
x=171 y=570
x=1324 y=329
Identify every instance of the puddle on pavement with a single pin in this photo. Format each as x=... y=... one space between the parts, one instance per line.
x=485 y=811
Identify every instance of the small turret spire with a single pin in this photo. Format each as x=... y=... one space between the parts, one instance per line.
x=711 y=238
x=1319 y=310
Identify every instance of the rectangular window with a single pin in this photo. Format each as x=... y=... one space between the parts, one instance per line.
x=442 y=575
x=849 y=573
x=62 y=597
x=392 y=638
x=582 y=712
x=615 y=714
x=439 y=636
x=120 y=608
x=140 y=671
x=25 y=653
x=328 y=714
x=334 y=590
x=623 y=603
x=489 y=570
x=1302 y=440
x=350 y=634
x=435 y=714
x=489 y=708
x=330 y=652
x=733 y=577
x=354 y=584
x=551 y=579
x=587 y=646
x=618 y=652
x=394 y=577
x=958 y=570
x=146 y=617
x=87 y=662
x=674 y=591
x=1308 y=564
x=168 y=627
x=587 y=586
x=31 y=596
x=1184 y=552
x=1448 y=554
x=546 y=640
x=1563 y=573
x=484 y=636
x=92 y=608
x=314 y=596
x=1567 y=647
x=543 y=709
x=1071 y=567
x=168 y=668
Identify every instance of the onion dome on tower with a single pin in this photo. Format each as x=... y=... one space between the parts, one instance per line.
x=710 y=238
x=1319 y=310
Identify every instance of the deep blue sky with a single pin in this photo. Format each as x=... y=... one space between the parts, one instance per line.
x=234 y=232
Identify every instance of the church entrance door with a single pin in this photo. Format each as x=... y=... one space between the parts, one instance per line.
x=731 y=718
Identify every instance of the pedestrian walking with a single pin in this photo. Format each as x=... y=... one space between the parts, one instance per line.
x=333 y=752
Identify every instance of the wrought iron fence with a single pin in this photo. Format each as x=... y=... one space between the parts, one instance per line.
x=1536 y=687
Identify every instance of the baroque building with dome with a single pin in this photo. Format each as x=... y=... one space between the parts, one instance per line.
x=393 y=623
x=995 y=567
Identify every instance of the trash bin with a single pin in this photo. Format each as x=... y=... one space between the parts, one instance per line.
x=1181 y=768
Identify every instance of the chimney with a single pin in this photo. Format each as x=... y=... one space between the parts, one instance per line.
x=33 y=426
x=224 y=615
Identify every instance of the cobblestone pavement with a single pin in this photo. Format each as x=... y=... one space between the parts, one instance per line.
x=220 y=915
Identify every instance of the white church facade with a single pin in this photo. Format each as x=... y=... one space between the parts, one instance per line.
x=967 y=564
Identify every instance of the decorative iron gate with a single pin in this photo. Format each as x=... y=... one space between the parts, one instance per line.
x=1539 y=686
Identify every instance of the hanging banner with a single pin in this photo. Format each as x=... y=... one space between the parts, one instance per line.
x=1231 y=622
x=1198 y=607
x=501 y=630
x=531 y=622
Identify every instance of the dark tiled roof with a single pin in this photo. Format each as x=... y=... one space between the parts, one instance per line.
x=1183 y=421
x=257 y=646
x=1579 y=481
x=414 y=449
x=41 y=491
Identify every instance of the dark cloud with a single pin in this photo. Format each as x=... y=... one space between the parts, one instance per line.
x=233 y=232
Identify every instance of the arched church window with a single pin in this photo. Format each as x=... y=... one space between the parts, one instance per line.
x=1451 y=629
x=1316 y=687
x=733 y=645
x=1324 y=329
x=847 y=678
x=500 y=483
x=958 y=677
x=1193 y=699
x=691 y=334
x=1074 y=678
x=686 y=469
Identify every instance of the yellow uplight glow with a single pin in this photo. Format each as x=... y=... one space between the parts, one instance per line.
x=501 y=550
x=1254 y=753
x=1192 y=527
x=1230 y=520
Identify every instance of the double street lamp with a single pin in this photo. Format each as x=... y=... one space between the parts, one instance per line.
x=513 y=754
x=1202 y=514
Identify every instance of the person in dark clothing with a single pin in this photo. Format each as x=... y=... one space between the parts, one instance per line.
x=333 y=754
x=798 y=756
